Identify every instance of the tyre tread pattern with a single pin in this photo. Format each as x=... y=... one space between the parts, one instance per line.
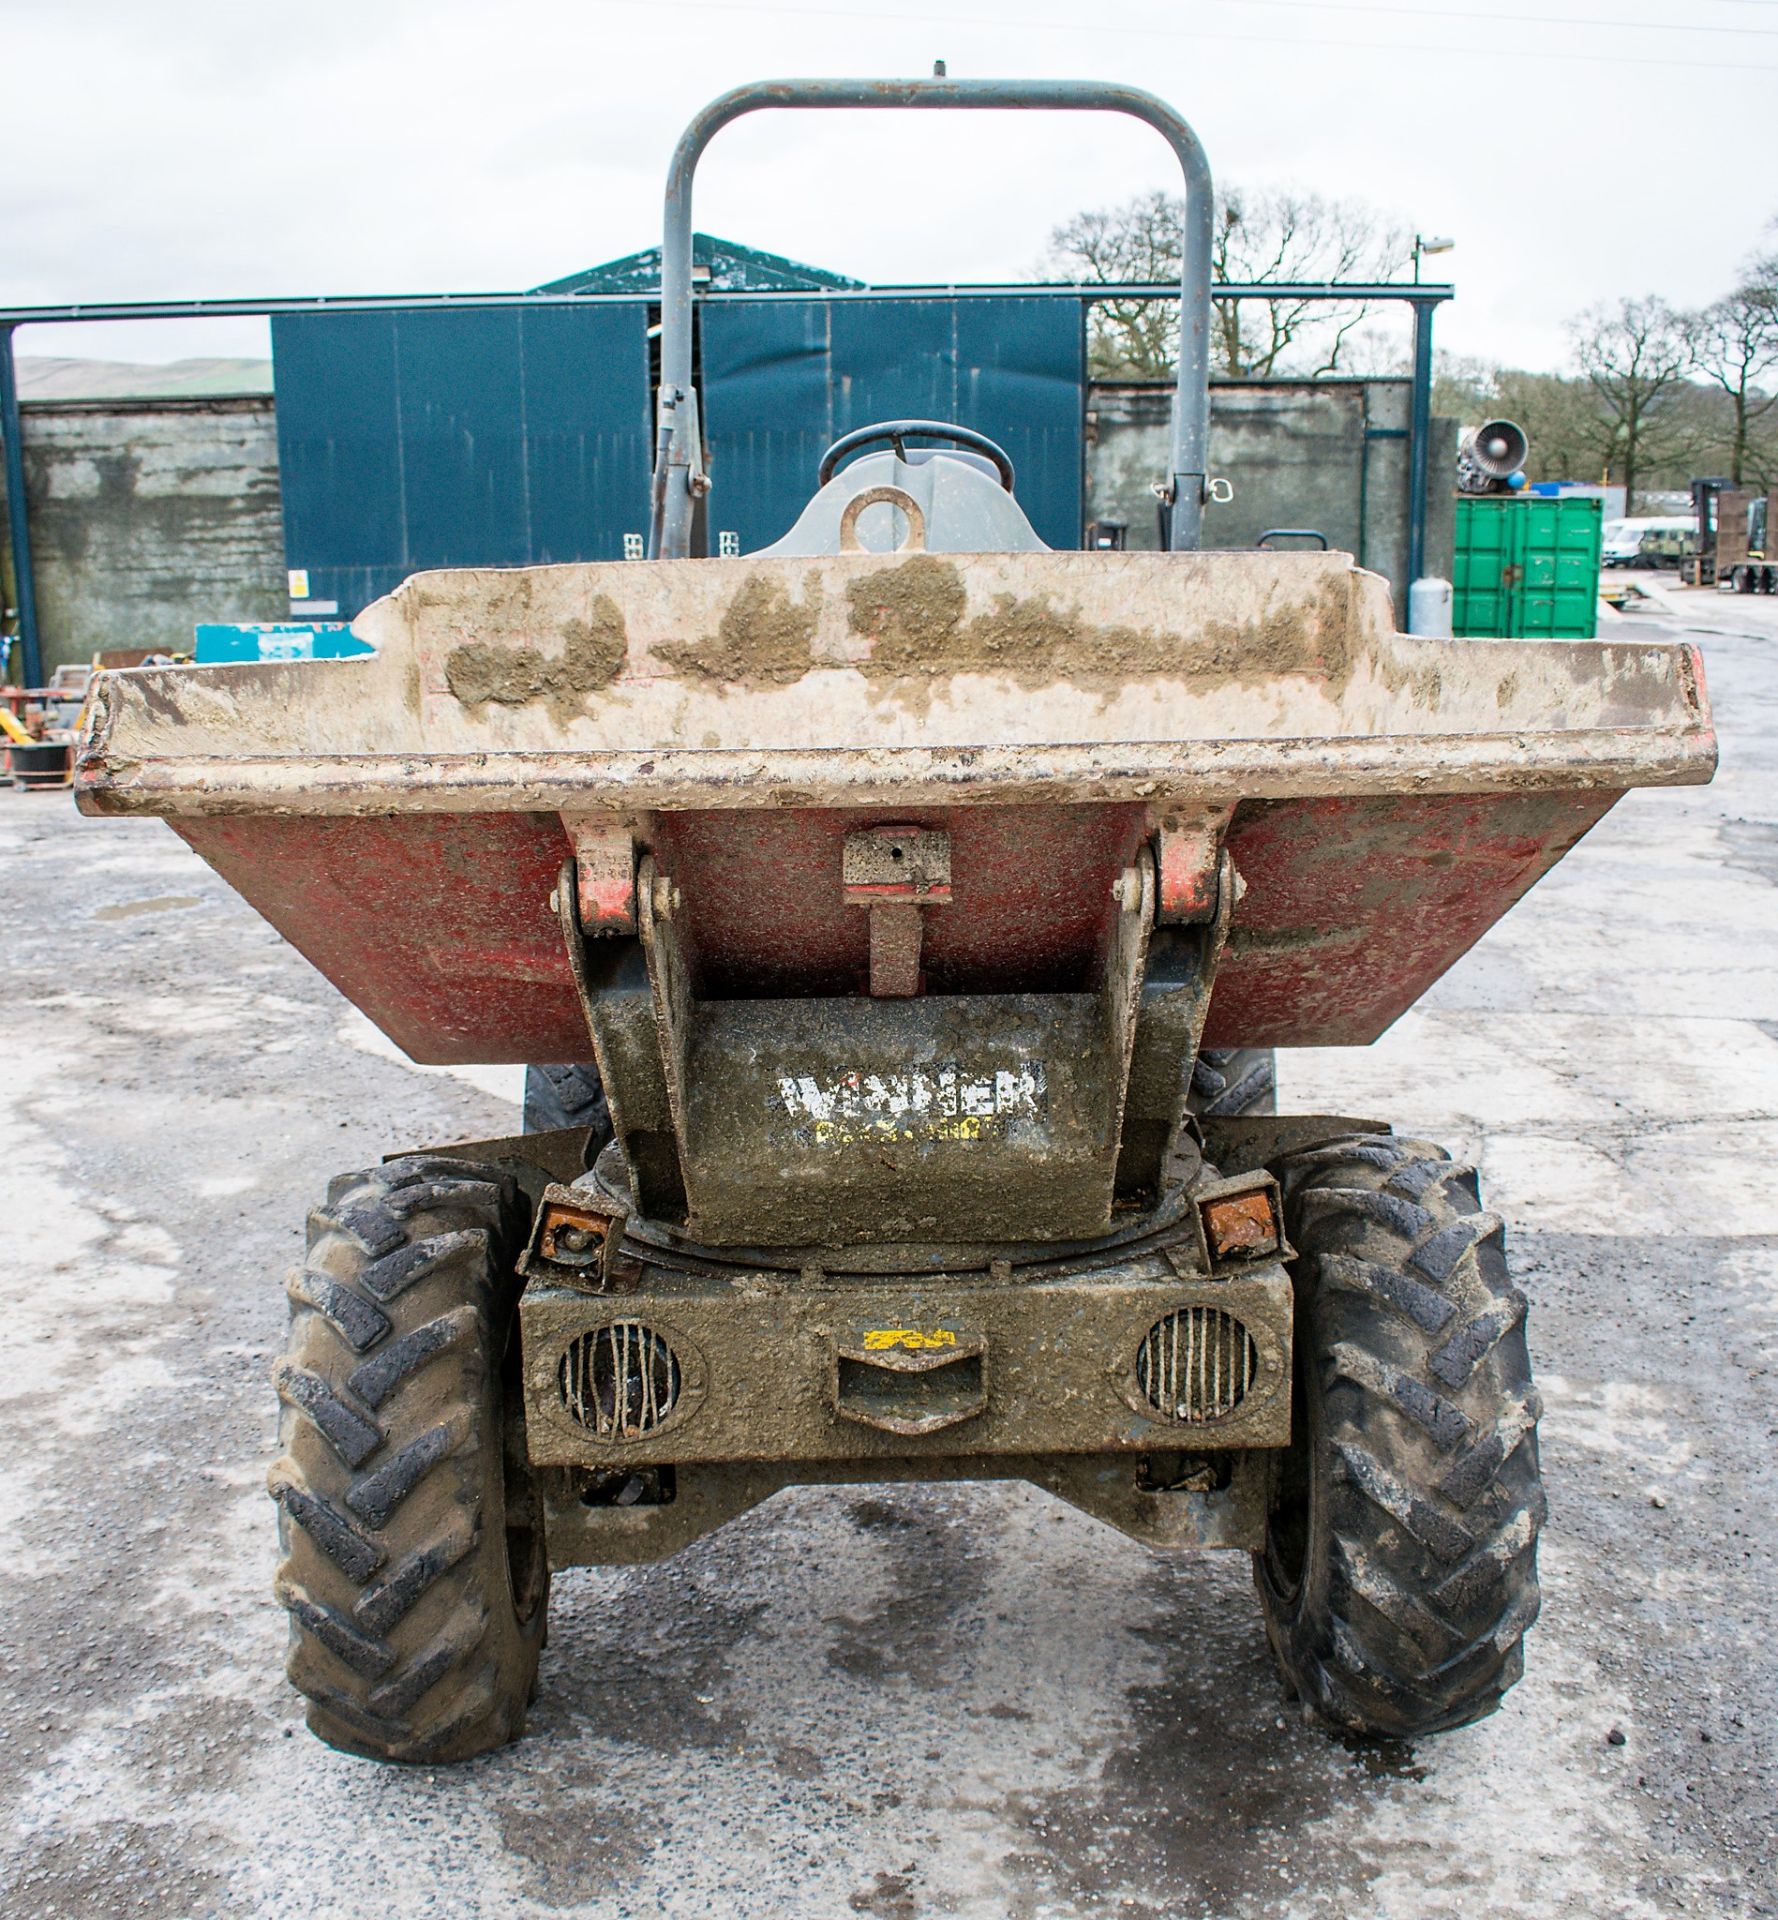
x=567 y=1096
x=1419 y=1579
x=1232 y=1080
x=379 y=1376
x=404 y=1634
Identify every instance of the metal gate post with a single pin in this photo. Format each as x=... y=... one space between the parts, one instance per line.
x=17 y=520
x=1419 y=433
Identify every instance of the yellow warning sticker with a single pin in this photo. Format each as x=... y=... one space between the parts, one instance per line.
x=880 y=1338
x=852 y=1133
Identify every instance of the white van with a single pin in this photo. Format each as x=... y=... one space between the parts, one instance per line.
x=1659 y=542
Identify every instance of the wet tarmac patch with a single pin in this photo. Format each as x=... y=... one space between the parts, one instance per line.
x=935 y=1580
x=642 y=1663
x=1383 y=1759
x=117 y=1868
x=893 y=1897
x=880 y=1516
x=797 y=1762
x=1219 y=1798
x=1751 y=845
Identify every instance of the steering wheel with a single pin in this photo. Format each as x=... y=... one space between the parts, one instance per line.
x=896 y=431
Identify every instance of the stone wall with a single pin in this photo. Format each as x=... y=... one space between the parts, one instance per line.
x=148 y=516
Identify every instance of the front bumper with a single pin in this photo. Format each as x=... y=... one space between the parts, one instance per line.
x=639 y=1352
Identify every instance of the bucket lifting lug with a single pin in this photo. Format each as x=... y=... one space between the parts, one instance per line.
x=895 y=874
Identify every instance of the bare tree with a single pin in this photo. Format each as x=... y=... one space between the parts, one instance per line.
x=1262 y=234
x=1135 y=244
x=1635 y=357
x=1283 y=235
x=1564 y=420
x=1735 y=347
x=1463 y=388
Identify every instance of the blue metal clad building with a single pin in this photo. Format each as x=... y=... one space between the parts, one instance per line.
x=490 y=437
x=783 y=379
x=512 y=436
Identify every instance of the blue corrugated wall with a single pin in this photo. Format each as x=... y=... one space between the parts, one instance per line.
x=497 y=437
x=783 y=379
x=505 y=437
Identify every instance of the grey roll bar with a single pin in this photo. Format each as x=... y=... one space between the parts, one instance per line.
x=678 y=467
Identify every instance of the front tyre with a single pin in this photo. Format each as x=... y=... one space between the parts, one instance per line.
x=1400 y=1569
x=414 y=1570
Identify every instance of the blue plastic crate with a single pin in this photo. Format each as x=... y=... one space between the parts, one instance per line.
x=216 y=641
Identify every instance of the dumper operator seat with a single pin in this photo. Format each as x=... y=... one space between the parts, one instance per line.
x=955 y=498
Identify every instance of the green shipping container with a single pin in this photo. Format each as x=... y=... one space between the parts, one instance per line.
x=1525 y=567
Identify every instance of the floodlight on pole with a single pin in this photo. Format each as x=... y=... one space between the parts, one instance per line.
x=1429 y=243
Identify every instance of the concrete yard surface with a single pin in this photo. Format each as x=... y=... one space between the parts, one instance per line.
x=897 y=1702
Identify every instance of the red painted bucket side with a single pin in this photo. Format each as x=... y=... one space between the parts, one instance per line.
x=437 y=925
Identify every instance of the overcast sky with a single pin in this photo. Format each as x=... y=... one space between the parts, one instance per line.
x=1576 y=149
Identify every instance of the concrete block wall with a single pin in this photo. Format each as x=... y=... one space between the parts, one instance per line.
x=150 y=515
x=1327 y=454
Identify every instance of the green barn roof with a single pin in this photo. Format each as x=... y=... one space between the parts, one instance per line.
x=718 y=264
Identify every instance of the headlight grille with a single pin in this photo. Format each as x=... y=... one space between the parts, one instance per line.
x=620 y=1381
x=1196 y=1365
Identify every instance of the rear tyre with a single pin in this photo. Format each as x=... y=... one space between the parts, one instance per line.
x=1230 y=1080
x=567 y=1096
x=413 y=1568
x=1400 y=1568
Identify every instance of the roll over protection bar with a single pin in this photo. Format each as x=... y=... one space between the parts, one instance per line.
x=678 y=466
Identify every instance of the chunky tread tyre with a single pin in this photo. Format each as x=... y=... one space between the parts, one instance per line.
x=1400 y=1569
x=568 y=1096
x=413 y=1566
x=1231 y=1080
